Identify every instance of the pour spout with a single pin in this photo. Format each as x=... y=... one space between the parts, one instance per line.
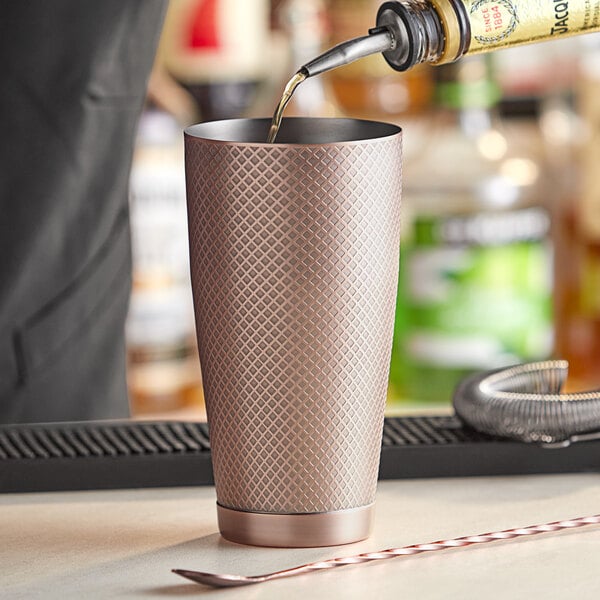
x=379 y=39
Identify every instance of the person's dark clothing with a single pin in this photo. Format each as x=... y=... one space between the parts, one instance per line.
x=74 y=81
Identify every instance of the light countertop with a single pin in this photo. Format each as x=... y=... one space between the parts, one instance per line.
x=122 y=544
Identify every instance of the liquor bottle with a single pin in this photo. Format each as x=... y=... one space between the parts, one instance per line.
x=163 y=366
x=577 y=218
x=412 y=32
x=475 y=274
x=441 y=31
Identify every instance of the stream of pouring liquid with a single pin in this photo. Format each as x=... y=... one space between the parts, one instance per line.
x=379 y=39
x=292 y=84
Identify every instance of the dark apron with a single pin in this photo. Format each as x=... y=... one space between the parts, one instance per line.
x=73 y=83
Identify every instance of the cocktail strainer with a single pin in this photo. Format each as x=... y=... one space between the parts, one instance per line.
x=524 y=402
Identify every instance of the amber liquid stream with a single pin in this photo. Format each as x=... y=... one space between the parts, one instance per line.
x=288 y=91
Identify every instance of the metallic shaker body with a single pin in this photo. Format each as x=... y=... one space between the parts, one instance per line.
x=294 y=258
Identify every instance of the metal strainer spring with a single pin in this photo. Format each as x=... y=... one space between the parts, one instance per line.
x=524 y=402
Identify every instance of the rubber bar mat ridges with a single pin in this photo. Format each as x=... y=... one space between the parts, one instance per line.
x=130 y=454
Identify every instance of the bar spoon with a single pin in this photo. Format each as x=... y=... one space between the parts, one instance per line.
x=225 y=580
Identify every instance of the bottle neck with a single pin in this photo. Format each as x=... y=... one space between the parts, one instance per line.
x=436 y=31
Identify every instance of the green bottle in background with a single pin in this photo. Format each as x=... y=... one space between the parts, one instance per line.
x=475 y=288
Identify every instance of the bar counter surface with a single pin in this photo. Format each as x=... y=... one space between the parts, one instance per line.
x=124 y=543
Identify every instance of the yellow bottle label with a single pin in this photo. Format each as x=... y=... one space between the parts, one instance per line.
x=502 y=23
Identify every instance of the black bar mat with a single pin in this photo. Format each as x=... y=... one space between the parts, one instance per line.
x=125 y=454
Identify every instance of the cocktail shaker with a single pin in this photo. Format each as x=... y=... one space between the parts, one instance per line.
x=294 y=262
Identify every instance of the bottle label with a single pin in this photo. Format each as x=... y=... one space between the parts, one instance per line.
x=475 y=290
x=502 y=23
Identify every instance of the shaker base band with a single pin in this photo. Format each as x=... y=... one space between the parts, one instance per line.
x=305 y=530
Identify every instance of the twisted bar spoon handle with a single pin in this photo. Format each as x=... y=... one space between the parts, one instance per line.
x=224 y=580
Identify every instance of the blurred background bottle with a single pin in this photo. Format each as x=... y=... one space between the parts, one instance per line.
x=217 y=50
x=475 y=273
x=571 y=124
x=369 y=88
x=163 y=370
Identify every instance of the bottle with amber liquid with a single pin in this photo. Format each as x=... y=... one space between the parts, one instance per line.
x=577 y=224
x=441 y=31
x=411 y=32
